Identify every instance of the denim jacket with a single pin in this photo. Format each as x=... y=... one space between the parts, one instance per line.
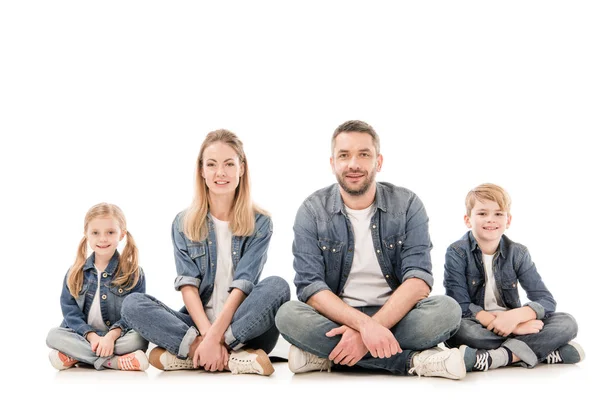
x=324 y=240
x=464 y=277
x=196 y=262
x=76 y=310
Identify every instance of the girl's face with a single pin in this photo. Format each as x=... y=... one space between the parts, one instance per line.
x=221 y=169
x=103 y=235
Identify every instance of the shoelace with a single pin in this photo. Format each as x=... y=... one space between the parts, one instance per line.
x=126 y=363
x=481 y=362
x=317 y=361
x=431 y=365
x=554 y=358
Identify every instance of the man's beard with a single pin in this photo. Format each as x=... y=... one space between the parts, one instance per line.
x=361 y=190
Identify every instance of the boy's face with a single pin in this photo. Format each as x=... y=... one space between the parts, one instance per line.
x=487 y=222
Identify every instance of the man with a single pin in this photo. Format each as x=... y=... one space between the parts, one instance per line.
x=363 y=274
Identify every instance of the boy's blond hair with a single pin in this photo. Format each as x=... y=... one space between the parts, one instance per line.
x=488 y=191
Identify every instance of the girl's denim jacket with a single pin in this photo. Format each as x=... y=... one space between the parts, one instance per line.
x=324 y=241
x=464 y=277
x=75 y=310
x=196 y=262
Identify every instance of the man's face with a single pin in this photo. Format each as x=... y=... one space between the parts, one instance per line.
x=355 y=162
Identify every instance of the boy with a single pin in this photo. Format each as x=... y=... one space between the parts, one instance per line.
x=482 y=272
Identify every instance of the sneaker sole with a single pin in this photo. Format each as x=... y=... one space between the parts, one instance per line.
x=263 y=359
x=154 y=358
x=579 y=350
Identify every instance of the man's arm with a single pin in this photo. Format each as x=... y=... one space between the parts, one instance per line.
x=409 y=293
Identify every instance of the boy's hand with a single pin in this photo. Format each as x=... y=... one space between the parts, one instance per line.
x=485 y=318
x=529 y=327
x=504 y=323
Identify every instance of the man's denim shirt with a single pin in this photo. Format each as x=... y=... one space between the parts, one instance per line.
x=76 y=310
x=464 y=277
x=324 y=240
x=196 y=262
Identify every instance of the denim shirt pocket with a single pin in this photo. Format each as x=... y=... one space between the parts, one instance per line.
x=197 y=252
x=510 y=289
x=117 y=294
x=475 y=283
x=332 y=253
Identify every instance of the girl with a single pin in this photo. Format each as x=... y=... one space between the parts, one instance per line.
x=94 y=288
x=220 y=243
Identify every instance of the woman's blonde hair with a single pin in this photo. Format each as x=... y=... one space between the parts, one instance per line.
x=127 y=273
x=242 y=220
x=488 y=191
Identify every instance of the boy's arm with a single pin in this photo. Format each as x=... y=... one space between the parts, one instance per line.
x=541 y=300
x=455 y=282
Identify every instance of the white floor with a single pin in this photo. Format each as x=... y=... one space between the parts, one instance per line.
x=545 y=381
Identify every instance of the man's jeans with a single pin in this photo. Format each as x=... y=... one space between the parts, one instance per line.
x=68 y=342
x=431 y=321
x=252 y=326
x=558 y=330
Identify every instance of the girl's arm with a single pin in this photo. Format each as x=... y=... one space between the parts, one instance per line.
x=74 y=317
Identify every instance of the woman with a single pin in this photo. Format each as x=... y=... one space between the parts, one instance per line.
x=220 y=243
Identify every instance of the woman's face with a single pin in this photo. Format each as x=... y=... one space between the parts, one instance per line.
x=221 y=169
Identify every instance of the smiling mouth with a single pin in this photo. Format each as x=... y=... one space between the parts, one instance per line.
x=221 y=182
x=490 y=228
x=103 y=247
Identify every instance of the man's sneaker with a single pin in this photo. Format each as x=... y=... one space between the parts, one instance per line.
x=61 y=361
x=570 y=353
x=160 y=358
x=250 y=361
x=438 y=362
x=300 y=361
x=136 y=361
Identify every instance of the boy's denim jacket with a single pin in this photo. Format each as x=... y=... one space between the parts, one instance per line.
x=196 y=262
x=76 y=310
x=324 y=241
x=464 y=277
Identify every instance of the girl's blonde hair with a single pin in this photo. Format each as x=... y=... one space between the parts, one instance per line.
x=488 y=191
x=127 y=273
x=195 y=226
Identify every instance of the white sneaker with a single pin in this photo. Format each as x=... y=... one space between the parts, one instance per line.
x=250 y=361
x=160 y=358
x=300 y=361
x=438 y=362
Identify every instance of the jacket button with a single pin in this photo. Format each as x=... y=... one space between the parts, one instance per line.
x=350 y=249
x=399 y=241
x=374 y=226
x=391 y=246
x=234 y=253
x=209 y=242
x=473 y=282
x=514 y=285
x=324 y=247
x=387 y=277
x=104 y=275
x=103 y=297
x=120 y=290
x=333 y=250
x=107 y=323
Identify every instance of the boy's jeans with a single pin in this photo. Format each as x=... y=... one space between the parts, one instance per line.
x=68 y=342
x=430 y=322
x=252 y=326
x=558 y=330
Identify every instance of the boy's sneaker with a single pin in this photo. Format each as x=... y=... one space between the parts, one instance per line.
x=437 y=362
x=160 y=358
x=570 y=353
x=300 y=361
x=61 y=361
x=250 y=361
x=136 y=361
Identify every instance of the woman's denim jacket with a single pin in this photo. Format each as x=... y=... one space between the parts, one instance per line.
x=464 y=277
x=324 y=240
x=76 y=310
x=196 y=262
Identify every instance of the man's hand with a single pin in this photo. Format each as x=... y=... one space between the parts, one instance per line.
x=350 y=348
x=379 y=340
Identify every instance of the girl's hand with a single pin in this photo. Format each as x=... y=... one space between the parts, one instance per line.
x=106 y=346
x=94 y=339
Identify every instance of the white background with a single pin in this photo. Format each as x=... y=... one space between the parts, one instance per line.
x=110 y=101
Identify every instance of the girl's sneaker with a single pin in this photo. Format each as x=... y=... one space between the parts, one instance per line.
x=61 y=361
x=136 y=361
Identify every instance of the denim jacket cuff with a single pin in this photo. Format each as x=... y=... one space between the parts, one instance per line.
x=540 y=313
x=84 y=330
x=474 y=309
x=186 y=280
x=121 y=325
x=244 y=285
x=312 y=289
x=422 y=275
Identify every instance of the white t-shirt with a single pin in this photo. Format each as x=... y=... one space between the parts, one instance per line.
x=224 y=274
x=366 y=285
x=493 y=301
x=95 y=315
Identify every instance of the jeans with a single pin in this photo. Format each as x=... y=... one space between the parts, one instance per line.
x=430 y=322
x=252 y=326
x=68 y=342
x=558 y=330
